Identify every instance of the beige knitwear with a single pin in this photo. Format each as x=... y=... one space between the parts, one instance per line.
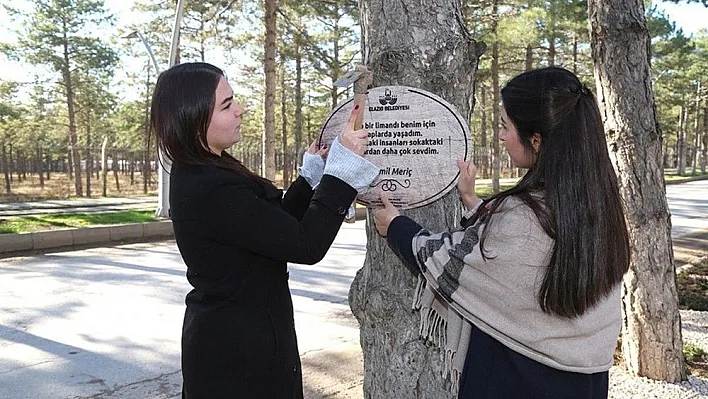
x=499 y=296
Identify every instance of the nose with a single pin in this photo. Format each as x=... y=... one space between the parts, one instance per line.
x=239 y=110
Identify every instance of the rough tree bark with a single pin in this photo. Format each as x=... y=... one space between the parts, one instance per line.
x=421 y=44
x=651 y=327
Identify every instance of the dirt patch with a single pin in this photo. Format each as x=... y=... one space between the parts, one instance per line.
x=691 y=248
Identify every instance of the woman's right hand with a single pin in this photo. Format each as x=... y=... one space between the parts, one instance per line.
x=355 y=141
x=466 y=184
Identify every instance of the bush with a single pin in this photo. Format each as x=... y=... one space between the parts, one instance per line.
x=694 y=353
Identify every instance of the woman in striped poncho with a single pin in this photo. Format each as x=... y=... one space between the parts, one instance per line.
x=524 y=298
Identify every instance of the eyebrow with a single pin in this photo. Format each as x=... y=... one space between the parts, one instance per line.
x=227 y=99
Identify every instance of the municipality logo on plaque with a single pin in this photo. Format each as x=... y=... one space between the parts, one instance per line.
x=388 y=101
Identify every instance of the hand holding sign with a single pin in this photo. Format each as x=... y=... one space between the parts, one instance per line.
x=384 y=216
x=355 y=141
x=466 y=183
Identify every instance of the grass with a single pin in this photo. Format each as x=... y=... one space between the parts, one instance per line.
x=26 y=224
x=486 y=191
x=673 y=177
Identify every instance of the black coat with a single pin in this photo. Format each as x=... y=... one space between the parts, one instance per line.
x=236 y=236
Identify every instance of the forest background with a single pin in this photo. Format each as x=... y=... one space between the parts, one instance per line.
x=75 y=84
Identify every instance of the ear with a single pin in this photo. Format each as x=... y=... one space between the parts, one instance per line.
x=536 y=142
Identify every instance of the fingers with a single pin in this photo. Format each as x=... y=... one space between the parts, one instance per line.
x=385 y=200
x=472 y=169
x=323 y=152
x=467 y=169
x=462 y=166
x=356 y=141
x=352 y=117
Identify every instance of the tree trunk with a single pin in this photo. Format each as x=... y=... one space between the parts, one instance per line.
x=496 y=161
x=146 y=123
x=681 y=142
x=269 y=128
x=66 y=72
x=284 y=127
x=496 y=155
x=528 y=65
x=6 y=168
x=575 y=52
x=89 y=159
x=651 y=323
x=131 y=168
x=49 y=166
x=115 y=170
x=70 y=164
x=336 y=67
x=483 y=131
x=40 y=166
x=11 y=164
x=104 y=165
x=19 y=168
x=440 y=58
x=704 y=158
x=696 y=132
x=299 y=147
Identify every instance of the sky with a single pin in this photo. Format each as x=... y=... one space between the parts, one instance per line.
x=690 y=17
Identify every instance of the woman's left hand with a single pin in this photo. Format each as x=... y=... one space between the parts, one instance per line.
x=319 y=150
x=384 y=216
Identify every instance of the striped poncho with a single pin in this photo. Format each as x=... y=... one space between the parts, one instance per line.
x=499 y=295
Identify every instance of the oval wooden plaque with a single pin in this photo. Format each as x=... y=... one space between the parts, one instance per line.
x=415 y=138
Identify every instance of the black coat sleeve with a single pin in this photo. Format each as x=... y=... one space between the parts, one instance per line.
x=297 y=198
x=237 y=216
x=400 y=235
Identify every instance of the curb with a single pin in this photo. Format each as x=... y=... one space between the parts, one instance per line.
x=83 y=236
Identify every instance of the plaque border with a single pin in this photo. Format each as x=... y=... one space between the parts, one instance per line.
x=435 y=98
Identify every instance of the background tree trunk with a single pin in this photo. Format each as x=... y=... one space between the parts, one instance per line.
x=6 y=168
x=299 y=147
x=496 y=153
x=104 y=166
x=681 y=142
x=696 y=131
x=284 y=127
x=651 y=327
x=269 y=65
x=439 y=57
x=76 y=159
x=40 y=166
x=89 y=159
x=704 y=158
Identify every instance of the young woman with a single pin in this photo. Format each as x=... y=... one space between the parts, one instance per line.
x=236 y=232
x=534 y=274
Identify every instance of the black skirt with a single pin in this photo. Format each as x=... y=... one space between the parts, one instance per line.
x=493 y=371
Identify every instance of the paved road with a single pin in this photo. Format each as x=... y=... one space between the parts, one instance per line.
x=688 y=203
x=106 y=322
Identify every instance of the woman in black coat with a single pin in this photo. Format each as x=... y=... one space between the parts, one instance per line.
x=236 y=232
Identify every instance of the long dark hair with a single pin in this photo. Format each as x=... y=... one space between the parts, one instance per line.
x=181 y=109
x=572 y=189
